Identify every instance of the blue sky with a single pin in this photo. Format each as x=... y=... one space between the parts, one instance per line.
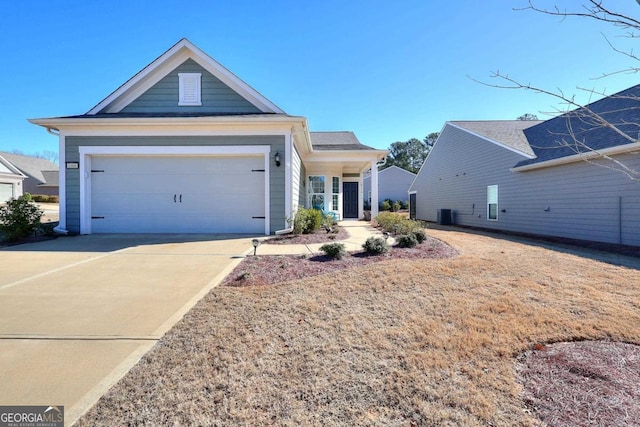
x=387 y=70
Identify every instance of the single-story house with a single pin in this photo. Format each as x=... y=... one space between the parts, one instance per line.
x=185 y=146
x=41 y=175
x=393 y=184
x=541 y=178
x=10 y=180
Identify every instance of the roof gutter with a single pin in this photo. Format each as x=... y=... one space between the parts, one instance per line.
x=621 y=149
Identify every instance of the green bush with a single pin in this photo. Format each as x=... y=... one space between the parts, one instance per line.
x=19 y=218
x=41 y=198
x=334 y=250
x=397 y=206
x=397 y=224
x=307 y=221
x=407 y=241
x=329 y=223
x=375 y=246
x=385 y=205
x=421 y=236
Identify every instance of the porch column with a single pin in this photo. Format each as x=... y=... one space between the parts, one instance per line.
x=374 y=189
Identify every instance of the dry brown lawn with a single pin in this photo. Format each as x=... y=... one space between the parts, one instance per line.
x=400 y=342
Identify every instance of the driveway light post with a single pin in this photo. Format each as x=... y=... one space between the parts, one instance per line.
x=255 y=243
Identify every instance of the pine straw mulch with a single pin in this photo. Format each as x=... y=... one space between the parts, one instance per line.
x=464 y=340
x=319 y=236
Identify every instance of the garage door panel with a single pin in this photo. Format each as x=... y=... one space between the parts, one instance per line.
x=212 y=194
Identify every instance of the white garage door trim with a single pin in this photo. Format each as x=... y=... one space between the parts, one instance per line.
x=87 y=151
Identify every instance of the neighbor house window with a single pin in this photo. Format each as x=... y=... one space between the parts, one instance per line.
x=492 y=202
x=335 y=181
x=189 y=89
x=316 y=191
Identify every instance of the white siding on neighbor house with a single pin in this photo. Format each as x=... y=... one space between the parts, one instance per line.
x=577 y=200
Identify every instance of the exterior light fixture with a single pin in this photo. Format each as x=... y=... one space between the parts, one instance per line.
x=277 y=159
x=255 y=243
x=386 y=236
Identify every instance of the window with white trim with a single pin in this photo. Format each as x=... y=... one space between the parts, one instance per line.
x=316 y=191
x=190 y=89
x=492 y=202
x=335 y=192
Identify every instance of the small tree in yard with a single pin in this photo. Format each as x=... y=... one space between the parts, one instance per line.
x=19 y=218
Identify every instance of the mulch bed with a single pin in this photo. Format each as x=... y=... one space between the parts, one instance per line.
x=320 y=236
x=272 y=269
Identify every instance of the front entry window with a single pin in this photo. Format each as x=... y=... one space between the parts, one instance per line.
x=335 y=192
x=316 y=191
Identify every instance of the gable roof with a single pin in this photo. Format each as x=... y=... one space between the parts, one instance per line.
x=392 y=168
x=554 y=139
x=31 y=166
x=167 y=62
x=507 y=133
x=336 y=141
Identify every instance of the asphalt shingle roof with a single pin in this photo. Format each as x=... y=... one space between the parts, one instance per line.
x=506 y=132
x=332 y=141
x=549 y=139
x=31 y=166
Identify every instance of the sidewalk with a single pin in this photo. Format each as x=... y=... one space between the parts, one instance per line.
x=359 y=232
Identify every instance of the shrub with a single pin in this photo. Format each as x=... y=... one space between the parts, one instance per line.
x=375 y=246
x=407 y=241
x=394 y=223
x=397 y=206
x=329 y=223
x=41 y=198
x=19 y=218
x=307 y=221
x=385 y=205
x=420 y=235
x=334 y=250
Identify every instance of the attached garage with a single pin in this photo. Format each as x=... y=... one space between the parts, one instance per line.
x=6 y=191
x=177 y=193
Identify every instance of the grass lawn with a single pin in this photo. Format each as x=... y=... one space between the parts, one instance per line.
x=394 y=343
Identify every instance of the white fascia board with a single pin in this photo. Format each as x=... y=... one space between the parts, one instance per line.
x=10 y=166
x=166 y=63
x=621 y=149
x=498 y=143
x=345 y=155
x=201 y=126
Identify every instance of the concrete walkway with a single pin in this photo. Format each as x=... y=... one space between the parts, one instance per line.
x=359 y=232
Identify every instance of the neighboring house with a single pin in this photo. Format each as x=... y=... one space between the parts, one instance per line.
x=393 y=184
x=11 y=180
x=186 y=146
x=41 y=175
x=517 y=176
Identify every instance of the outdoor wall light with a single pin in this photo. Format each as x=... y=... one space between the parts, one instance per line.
x=255 y=243
x=277 y=159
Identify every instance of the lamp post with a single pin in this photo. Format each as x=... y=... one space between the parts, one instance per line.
x=255 y=243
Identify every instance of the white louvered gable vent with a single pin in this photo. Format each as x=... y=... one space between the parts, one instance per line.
x=190 y=89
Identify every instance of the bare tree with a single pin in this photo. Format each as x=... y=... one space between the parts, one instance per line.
x=622 y=123
x=50 y=155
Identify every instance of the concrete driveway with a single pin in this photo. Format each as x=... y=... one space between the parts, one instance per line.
x=78 y=312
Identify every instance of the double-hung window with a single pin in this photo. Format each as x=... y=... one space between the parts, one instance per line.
x=316 y=191
x=492 y=202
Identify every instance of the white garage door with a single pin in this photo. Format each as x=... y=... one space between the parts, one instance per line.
x=177 y=194
x=6 y=191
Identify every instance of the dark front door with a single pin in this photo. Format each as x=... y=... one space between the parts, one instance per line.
x=350 y=200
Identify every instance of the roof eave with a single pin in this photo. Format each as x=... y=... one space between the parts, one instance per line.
x=612 y=151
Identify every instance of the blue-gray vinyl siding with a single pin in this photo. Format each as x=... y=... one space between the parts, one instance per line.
x=577 y=200
x=393 y=184
x=216 y=96
x=276 y=176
